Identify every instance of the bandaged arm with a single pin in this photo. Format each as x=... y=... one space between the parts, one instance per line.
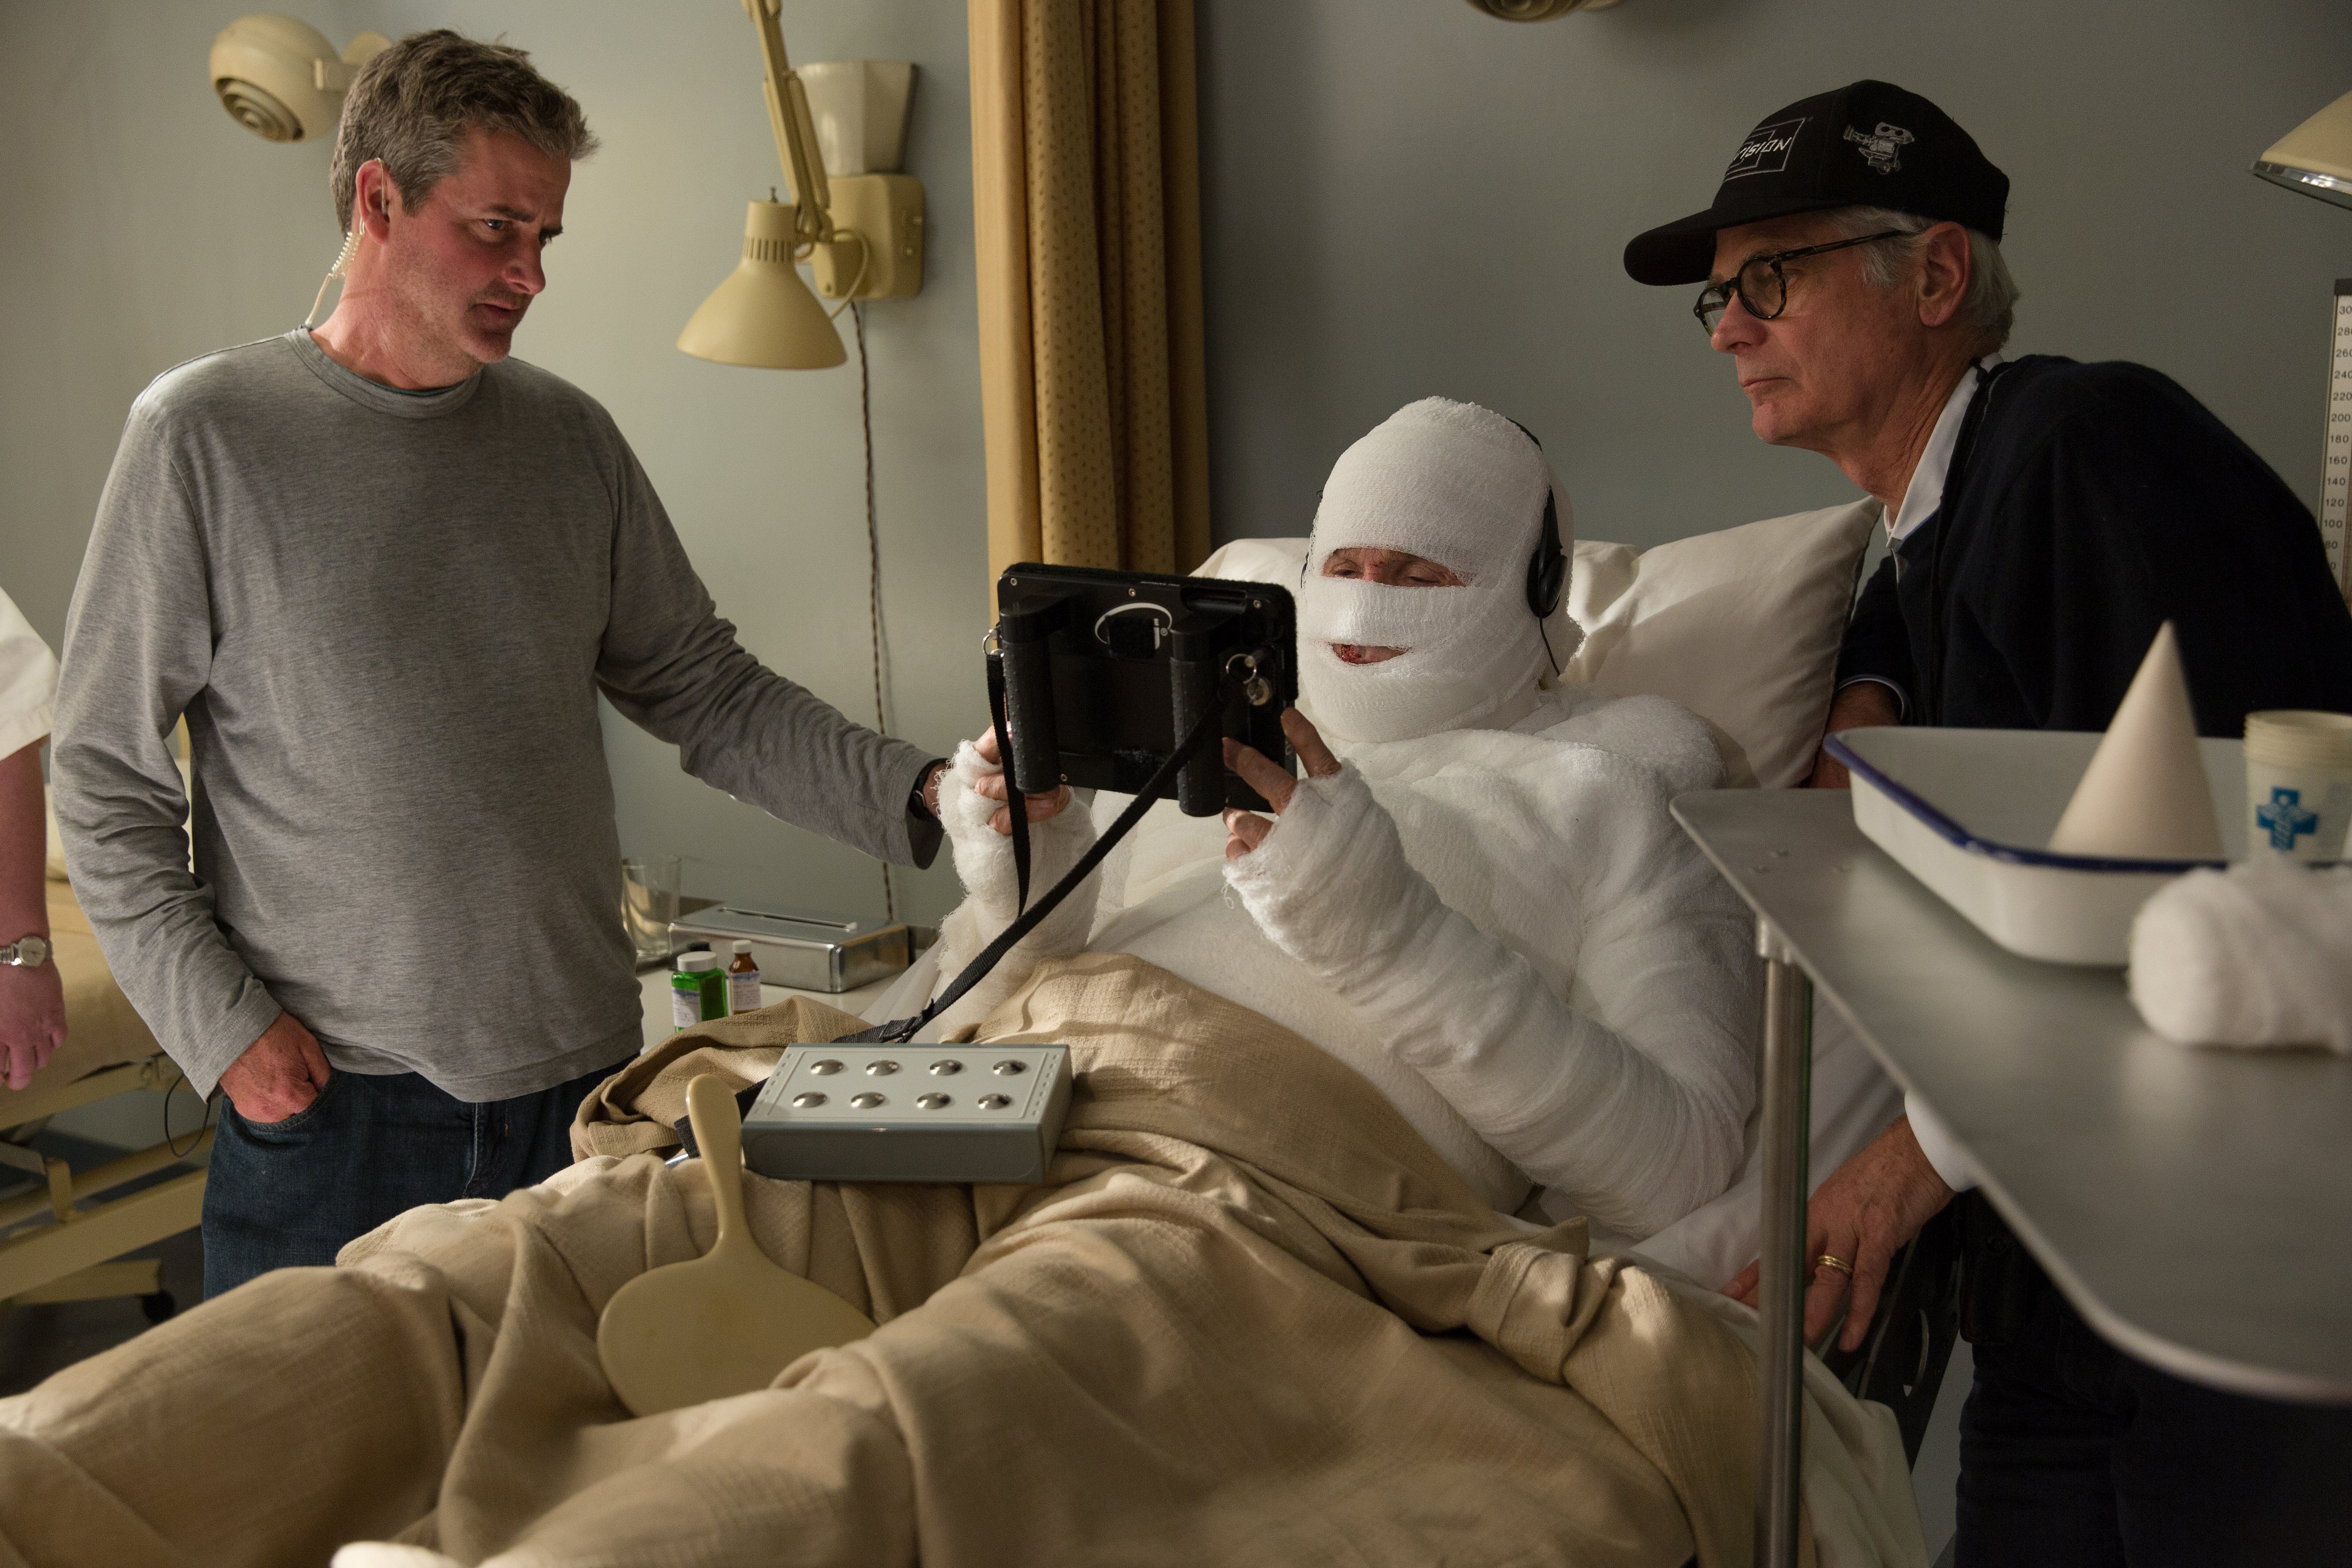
x=984 y=860
x=1574 y=1103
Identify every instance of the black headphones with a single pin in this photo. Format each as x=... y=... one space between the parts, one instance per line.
x=1547 y=567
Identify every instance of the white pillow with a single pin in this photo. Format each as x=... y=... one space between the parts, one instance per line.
x=1741 y=626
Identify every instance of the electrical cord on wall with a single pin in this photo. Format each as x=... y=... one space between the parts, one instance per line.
x=873 y=562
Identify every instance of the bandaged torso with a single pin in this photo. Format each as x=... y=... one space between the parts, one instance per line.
x=1580 y=1001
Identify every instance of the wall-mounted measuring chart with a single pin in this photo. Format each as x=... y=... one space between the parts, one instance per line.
x=2335 y=467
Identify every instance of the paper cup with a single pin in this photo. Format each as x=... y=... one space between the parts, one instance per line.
x=2298 y=782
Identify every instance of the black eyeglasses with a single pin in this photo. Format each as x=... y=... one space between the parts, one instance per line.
x=1759 y=284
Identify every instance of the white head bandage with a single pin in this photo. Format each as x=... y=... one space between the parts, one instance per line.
x=1454 y=483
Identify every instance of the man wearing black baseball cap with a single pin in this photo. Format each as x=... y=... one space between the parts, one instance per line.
x=2046 y=517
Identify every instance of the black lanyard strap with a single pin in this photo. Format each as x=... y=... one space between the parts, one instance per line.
x=1209 y=727
x=1016 y=801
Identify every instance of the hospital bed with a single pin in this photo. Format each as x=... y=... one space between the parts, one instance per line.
x=1742 y=627
x=62 y=1231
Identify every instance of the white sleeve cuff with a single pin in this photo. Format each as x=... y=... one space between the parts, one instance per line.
x=1946 y=1155
x=1901 y=700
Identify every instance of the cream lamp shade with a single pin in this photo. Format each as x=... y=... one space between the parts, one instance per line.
x=1537 y=10
x=2316 y=157
x=763 y=316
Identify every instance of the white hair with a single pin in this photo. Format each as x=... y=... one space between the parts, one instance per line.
x=1990 y=307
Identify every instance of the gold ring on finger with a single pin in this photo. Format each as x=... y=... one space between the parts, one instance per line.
x=1826 y=1261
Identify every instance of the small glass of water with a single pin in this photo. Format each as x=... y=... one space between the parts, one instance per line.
x=649 y=904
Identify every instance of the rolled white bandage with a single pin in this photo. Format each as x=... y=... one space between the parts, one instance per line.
x=2258 y=955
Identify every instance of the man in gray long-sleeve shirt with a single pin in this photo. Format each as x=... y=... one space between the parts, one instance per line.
x=384 y=572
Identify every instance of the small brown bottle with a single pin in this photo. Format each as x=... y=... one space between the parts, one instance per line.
x=742 y=981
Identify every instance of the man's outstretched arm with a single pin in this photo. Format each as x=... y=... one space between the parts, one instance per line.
x=672 y=666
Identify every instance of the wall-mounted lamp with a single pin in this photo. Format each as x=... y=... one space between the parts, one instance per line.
x=2316 y=157
x=1537 y=10
x=281 y=77
x=862 y=231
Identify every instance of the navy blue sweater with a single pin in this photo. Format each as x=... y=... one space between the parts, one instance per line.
x=2098 y=501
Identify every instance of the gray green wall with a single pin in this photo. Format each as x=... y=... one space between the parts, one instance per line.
x=1407 y=197
x=1403 y=196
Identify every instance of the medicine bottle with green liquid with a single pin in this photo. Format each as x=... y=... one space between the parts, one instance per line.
x=698 y=992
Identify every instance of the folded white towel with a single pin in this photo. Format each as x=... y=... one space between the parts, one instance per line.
x=2258 y=955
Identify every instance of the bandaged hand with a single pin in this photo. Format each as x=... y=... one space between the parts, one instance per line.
x=978 y=824
x=1245 y=830
x=990 y=784
x=1330 y=882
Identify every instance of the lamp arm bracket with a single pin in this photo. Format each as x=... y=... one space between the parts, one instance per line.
x=788 y=117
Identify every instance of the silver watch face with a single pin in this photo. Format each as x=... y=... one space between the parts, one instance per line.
x=32 y=952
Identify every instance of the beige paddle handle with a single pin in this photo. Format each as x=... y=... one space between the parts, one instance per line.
x=719 y=1134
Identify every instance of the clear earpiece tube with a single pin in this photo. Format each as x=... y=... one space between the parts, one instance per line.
x=341 y=266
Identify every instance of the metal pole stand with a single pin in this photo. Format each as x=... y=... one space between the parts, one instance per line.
x=1787 y=1099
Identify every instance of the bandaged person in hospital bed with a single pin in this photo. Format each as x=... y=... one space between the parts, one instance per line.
x=1484 y=908
x=1266 y=1308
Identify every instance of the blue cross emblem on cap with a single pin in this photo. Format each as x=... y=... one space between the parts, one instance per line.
x=2285 y=818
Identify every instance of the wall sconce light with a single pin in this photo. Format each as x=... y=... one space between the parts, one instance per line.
x=862 y=232
x=2316 y=157
x=281 y=80
x=1537 y=10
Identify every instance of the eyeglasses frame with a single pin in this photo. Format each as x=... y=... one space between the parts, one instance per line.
x=1730 y=286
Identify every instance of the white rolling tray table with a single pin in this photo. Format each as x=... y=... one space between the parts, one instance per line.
x=2194 y=1205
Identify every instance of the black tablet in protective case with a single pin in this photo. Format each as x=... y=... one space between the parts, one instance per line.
x=1105 y=672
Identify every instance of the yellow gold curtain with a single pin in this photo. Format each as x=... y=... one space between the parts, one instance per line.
x=1086 y=212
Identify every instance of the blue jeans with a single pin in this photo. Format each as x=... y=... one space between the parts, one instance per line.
x=2073 y=1453
x=284 y=1194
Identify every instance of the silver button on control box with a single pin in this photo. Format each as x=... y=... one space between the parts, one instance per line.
x=797 y=1130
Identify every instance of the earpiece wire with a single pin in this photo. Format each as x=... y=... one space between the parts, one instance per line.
x=341 y=268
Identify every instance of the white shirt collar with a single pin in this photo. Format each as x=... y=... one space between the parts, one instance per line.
x=1926 y=493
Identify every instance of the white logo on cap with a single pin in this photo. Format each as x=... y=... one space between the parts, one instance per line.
x=1767 y=148
x=1879 y=149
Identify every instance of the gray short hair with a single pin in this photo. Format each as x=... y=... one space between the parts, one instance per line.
x=1990 y=307
x=413 y=105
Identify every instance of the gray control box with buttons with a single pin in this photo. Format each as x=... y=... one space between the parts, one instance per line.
x=909 y=1113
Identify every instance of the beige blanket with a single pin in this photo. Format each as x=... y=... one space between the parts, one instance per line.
x=1251 y=1319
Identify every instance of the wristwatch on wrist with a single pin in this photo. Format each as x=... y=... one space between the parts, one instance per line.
x=26 y=952
x=919 y=802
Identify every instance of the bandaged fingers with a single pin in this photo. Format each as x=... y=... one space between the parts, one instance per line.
x=1036 y=807
x=986 y=779
x=1245 y=830
x=1270 y=778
